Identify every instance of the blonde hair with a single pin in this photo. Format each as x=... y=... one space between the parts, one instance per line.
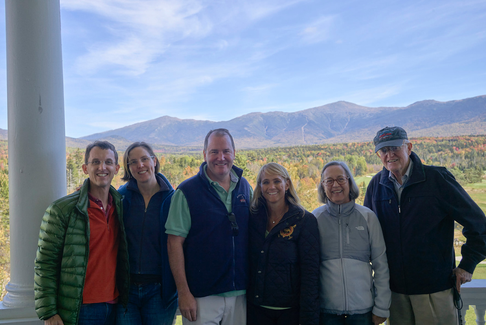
x=279 y=170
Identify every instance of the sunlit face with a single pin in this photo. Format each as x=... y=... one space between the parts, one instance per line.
x=219 y=156
x=141 y=164
x=335 y=192
x=101 y=167
x=397 y=162
x=274 y=188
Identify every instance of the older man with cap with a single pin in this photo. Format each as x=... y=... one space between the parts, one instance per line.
x=417 y=206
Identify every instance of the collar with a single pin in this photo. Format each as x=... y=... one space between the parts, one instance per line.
x=417 y=173
x=133 y=186
x=98 y=201
x=340 y=209
x=83 y=199
x=405 y=177
x=293 y=209
x=233 y=176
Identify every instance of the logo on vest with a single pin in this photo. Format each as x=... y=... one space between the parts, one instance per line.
x=241 y=197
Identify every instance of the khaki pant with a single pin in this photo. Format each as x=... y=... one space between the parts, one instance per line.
x=428 y=309
x=214 y=310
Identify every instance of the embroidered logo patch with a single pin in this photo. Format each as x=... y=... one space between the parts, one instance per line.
x=241 y=197
x=287 y=232
x=360 y=228
x=385 y=135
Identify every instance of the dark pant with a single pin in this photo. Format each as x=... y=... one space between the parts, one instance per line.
x=145 y=306
x=97 y=314
x=356 y=319
x=257 y=315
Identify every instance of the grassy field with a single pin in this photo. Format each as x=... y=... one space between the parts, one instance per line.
x=478 y=193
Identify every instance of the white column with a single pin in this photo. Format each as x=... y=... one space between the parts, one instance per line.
x=36 y=139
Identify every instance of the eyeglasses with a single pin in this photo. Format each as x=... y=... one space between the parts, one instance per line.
x=383 y=151
x=96 y=162
x=144 y=160
x=330 y=181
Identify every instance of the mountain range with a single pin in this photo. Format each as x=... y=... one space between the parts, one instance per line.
x=336 y=122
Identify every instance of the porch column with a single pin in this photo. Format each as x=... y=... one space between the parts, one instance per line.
x=36 y=139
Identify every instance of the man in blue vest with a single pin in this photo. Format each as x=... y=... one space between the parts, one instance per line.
x=417 y=206
x=207 y=231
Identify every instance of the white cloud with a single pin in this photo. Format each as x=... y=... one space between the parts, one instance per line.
x=140 y=31
x=319 y=30
x=261 y=9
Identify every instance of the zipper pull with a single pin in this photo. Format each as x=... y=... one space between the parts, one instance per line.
x=399 y=210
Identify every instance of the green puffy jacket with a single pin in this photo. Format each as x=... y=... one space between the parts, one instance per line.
x=62 y=257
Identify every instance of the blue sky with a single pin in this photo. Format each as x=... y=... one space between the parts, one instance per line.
x=127 y=61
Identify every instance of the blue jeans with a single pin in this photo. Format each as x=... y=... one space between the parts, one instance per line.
x=145 y=307
x=356 y=319
x=97 y=314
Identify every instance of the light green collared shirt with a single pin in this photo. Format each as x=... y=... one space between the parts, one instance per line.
x=179 y=218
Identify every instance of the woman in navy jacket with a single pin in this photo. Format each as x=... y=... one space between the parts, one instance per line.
x=147 y=194
x=284 y=254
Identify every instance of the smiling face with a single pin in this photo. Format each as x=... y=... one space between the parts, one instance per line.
x=273 y=188
x=142 y=165
x=219 y=156
x=397 y=162
x=101 y=168
x=336 y=193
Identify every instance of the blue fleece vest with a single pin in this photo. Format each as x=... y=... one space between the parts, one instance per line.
x=215 y=260
x=159 y=262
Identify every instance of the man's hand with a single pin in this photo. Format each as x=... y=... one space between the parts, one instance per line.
x=377 y=320
x=54 y=320
x=461 y=277
x=188 y=306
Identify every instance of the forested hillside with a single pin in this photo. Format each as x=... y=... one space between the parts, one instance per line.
x=465 y=156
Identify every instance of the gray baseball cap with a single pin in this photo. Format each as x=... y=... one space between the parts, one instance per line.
x=390 y=136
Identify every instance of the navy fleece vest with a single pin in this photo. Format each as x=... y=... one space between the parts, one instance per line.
x=215 y=260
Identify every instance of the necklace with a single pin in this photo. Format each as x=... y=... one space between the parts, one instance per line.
x=273 y=221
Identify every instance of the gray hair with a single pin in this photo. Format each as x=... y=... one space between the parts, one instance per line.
x=353 y=187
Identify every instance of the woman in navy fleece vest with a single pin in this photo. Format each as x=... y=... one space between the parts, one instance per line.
x=147 y=194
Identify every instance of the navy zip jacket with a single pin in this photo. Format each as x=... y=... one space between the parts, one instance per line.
x=419 y=232
x=216 y=258
x=284 y=265
x=145 y=228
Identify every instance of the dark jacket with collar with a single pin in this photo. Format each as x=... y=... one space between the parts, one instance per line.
x=284 y=265
x=145 y=228
x=216 y=260
x=419 y=231
x=62 y=257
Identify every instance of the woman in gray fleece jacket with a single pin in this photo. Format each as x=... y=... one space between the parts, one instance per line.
x=354 y=278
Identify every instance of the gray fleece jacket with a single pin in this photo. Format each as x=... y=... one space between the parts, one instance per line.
x=352 y=248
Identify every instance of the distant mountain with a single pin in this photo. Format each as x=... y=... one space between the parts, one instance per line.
x=337 y=122
x=331 y=123
x=3 y=134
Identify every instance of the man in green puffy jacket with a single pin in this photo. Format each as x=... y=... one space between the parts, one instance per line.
x=81 y=266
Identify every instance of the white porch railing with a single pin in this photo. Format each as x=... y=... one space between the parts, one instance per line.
x=474 y=294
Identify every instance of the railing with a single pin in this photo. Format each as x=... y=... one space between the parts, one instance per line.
x=474 y=294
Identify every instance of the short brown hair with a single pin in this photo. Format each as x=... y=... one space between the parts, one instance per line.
x=219 y=132
x=105 y=145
